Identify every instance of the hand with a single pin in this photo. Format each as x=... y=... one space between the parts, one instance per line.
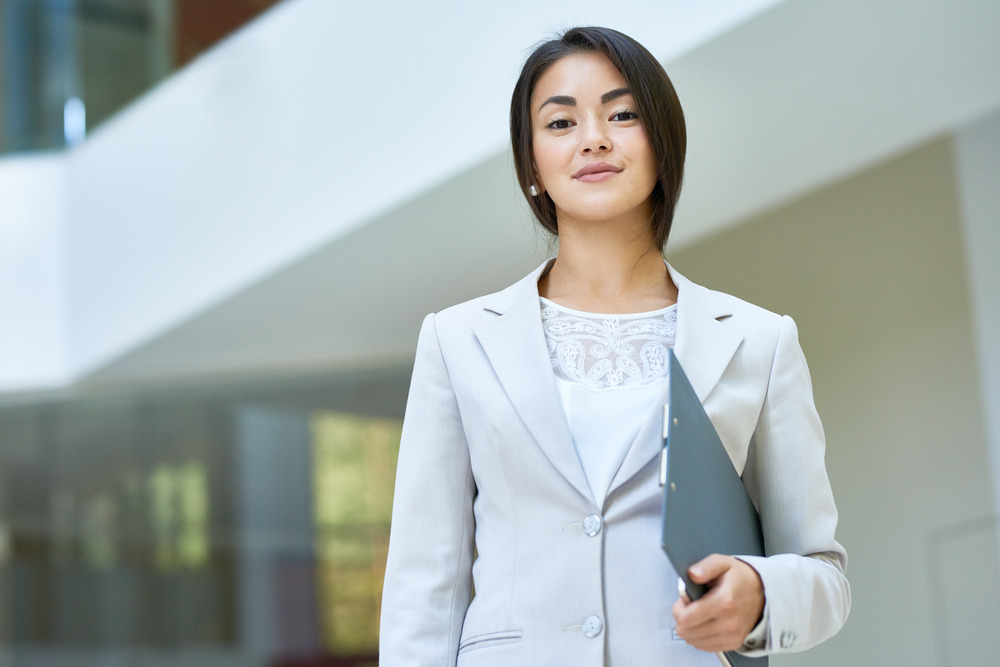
x=722 y=618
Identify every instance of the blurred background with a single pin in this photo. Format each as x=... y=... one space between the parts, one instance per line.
x=221 y=222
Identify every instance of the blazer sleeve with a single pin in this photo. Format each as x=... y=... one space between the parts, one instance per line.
x=808 y=596
x=428 y=578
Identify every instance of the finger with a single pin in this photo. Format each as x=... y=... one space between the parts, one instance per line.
x=721 y=619
x=719 y=637
x=712 y=605
x=679 y=611
x=716 y=644
x=697 y=630
x=710 y=568
x=720 y=604
x=711 y=638
x=716 y=635
x=692 y=615
x=713 y=629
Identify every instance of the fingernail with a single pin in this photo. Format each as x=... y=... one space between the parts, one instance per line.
x=697 y=571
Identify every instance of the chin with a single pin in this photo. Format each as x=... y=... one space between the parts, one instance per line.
x=601 y=211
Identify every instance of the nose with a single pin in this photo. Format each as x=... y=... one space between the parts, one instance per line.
x=595 y=138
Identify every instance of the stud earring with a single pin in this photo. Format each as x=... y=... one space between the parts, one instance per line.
x=532 y=190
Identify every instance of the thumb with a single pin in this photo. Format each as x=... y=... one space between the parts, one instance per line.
x=709 y=568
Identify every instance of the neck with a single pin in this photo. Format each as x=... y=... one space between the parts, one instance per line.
x=607 y=268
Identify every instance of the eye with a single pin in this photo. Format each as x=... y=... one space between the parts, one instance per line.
x=559 y=124
x=624 y=115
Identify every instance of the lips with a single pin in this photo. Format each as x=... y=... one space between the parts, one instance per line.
x=597 y=171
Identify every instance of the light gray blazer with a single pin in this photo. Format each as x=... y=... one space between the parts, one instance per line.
x=490 y=496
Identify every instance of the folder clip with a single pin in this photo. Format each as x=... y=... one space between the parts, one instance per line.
x=666 y=443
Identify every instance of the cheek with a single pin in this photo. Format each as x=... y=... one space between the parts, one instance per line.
x=641 y=148
x=547 y=157
x=650 y=168
x=542 y=169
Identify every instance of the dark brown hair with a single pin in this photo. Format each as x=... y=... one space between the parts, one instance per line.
x=656 y=103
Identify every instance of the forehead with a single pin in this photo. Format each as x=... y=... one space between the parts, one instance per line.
x=585 y=76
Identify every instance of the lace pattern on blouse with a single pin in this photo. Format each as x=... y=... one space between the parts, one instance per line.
x=608 y=351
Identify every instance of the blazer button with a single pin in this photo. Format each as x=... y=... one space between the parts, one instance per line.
x=592 y=525
x=592 y=626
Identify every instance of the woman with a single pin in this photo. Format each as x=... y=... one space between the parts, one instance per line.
x=528 y=464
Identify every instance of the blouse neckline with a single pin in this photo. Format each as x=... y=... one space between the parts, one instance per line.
x=583 y=313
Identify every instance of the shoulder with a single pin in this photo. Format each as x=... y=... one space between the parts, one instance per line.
x=467 y=313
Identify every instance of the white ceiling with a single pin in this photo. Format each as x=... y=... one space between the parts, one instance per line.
x=793 y=98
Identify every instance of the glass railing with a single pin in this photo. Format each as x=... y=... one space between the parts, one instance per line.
x=236 y=526
x=66 y=66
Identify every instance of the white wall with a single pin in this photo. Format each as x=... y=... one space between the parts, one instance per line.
x=873 y=269
x=33 y=327
x=977 y=163
x=815 y=90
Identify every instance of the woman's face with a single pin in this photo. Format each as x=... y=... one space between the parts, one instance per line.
x=590 y=149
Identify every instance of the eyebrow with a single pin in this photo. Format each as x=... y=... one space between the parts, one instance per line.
x=566 y=100
x=614 y=94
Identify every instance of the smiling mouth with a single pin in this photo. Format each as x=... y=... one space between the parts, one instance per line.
x=599 y=171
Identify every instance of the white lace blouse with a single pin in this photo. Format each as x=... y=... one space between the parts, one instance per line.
x=611 y=373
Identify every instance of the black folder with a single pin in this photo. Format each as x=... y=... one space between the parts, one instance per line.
x=706 y=508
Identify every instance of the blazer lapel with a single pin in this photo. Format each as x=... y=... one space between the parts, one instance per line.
x=704 y=346
x=510 y=332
